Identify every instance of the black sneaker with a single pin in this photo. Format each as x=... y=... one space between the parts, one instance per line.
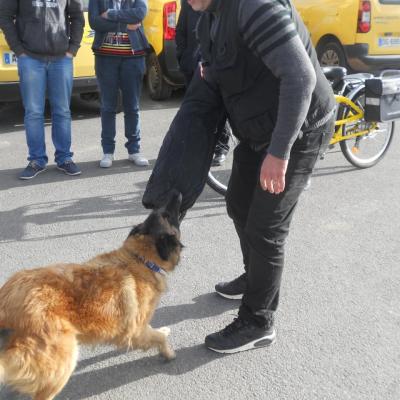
x=32 y=169
x=233 y=289
x=240 y=335
x=70 y=168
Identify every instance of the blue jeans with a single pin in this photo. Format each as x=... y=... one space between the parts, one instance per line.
x=125 y=73
x=35 y=78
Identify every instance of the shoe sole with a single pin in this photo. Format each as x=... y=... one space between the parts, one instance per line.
x=105 y=166
x=68 y=173
x=139 y=165
x=230 y=296
x=255 y=344
x=26 y=178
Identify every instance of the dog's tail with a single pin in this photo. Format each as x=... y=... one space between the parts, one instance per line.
x=36 y=366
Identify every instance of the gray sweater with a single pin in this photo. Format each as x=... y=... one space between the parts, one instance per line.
x=44 y=29
x=268 y=29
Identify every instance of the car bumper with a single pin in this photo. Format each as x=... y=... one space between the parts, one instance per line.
x=359 y=60
x=169 y=64
x=9 y=91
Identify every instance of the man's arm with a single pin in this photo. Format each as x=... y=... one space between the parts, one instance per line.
x=99 y=23
x=133 y=15
x=77 y=23
x=8 y=12
x=268 y=30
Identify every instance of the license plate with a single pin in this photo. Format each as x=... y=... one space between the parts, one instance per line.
x=390 y=41
x=10 y=58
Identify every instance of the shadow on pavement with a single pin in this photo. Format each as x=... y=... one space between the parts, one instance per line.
x=128 y=204
x=90 y=169
x=86 y=384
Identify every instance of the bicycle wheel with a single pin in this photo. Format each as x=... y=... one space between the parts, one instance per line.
x=366 y=150
x=218 y=176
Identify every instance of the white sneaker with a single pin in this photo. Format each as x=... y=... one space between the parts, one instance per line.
x=107 y=160
x=138 y=159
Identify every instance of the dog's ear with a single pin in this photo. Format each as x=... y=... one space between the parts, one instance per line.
x=167 y=244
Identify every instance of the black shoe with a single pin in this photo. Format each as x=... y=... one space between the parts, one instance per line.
x=240 y=335
x=219 y=158
x=233 y=289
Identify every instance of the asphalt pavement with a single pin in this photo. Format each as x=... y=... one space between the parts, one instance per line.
x=338 y=323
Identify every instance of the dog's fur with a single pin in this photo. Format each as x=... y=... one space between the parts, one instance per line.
x=109 y=299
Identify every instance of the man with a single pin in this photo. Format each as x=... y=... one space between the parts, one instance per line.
x=45 y=35
x=258 y=57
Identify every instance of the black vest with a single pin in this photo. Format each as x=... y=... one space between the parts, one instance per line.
x=249 y=89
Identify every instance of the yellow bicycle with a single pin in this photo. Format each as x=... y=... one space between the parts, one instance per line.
x=363 y=143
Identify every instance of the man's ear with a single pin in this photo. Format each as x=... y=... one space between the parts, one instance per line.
x=166 y=244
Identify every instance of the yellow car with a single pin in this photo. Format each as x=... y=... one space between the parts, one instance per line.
x=85 y=82
x=163 y=73
x=363 y=35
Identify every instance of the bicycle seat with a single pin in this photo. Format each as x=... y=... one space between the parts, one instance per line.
x=334 y=74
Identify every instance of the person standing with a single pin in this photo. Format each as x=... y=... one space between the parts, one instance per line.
x=188 y=55
x=120 y=46
x=45 y=35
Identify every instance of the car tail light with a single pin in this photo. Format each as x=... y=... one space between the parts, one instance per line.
x=169 y=20
x=364 y=17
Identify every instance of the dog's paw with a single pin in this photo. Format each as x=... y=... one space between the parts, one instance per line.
x=164 y=330
x=169 y=354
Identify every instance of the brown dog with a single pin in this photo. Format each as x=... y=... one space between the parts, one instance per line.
x=109 y=299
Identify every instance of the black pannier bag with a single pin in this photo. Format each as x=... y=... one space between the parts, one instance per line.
x=382 y=98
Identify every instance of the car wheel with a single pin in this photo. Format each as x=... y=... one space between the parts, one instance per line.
x=331 y=54
x=158 y=88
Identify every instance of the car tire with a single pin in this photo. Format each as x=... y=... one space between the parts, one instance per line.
x=158 y=88
x=330 y=53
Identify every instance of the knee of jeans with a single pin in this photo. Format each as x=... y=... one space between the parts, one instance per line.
x=61 y=112
x=108 y=108
x=34 y=112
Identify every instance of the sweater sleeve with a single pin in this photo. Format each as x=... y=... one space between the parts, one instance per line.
x=268 y=30
x=77 y=23
x=132 y=15
x=8 y=12
x=97 y=22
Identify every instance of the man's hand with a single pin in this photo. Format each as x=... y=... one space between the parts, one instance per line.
x=104 y=14
x=272 y=175
x=133 y=27
x=68 y=54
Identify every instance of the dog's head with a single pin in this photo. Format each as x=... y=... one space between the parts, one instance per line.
x=159 y=236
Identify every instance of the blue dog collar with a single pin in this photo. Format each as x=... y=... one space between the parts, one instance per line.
x=154 y=267
x=150 y=265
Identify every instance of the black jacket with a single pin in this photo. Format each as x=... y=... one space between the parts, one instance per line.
x=187 y=46
x=249 y=89
x=44 y=29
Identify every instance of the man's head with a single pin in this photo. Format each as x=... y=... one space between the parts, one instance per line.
x=199 y=5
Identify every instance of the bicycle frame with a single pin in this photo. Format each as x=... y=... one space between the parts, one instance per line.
x=355 y=114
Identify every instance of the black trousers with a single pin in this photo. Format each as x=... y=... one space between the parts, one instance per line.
x=262 y=219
